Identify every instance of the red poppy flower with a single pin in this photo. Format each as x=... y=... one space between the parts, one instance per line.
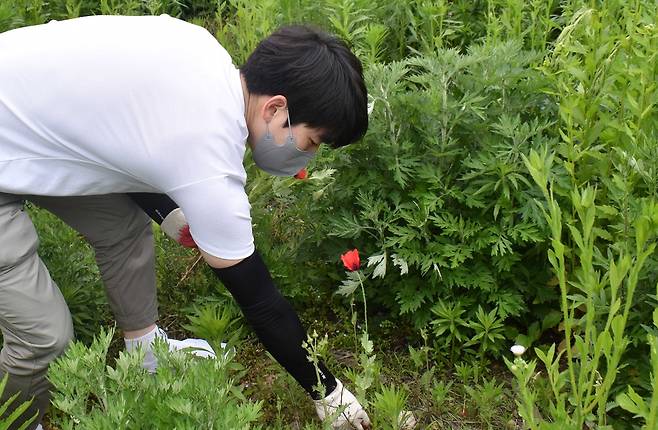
x=302 y=174
x=351 y=260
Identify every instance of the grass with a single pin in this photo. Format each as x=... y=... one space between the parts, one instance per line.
x=287 y=406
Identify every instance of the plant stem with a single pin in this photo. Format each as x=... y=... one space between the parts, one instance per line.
x=356 y=338
x=365 y=306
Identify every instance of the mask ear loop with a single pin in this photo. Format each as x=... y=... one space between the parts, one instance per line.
x=289 y=126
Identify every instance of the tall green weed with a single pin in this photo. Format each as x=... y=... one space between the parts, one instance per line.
x=604 y=222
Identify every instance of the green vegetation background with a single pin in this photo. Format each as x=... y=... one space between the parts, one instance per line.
x=438 y=197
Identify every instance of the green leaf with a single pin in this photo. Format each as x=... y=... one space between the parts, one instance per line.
x=401 y=263
x=551 y=320
x=349 y=285
x=379 y=261
x=366 y=344
x=633 y=403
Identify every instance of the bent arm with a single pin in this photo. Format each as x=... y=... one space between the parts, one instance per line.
x=274 y=320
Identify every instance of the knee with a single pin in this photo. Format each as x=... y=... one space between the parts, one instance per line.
x=32 y=357
x=53 y=344
x=61 y=341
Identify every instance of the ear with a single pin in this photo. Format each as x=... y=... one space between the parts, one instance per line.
x=272 y=105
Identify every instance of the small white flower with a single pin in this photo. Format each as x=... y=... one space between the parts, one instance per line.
x=518 y=350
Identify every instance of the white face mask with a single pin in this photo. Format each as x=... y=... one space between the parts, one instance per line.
x=280 y=160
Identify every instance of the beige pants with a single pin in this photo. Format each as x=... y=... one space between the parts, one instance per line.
x=34 y=319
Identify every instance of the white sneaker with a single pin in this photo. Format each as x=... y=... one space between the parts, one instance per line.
x=198 y=347
x=39 y=427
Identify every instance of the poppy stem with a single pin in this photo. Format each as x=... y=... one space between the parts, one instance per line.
x=354 y=317
x=365 y=306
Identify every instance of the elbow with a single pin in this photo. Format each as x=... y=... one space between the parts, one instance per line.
x=218 y=263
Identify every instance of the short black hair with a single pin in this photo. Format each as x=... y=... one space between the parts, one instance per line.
x=319 y=76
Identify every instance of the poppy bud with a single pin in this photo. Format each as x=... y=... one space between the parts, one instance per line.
x=351 y=260
x=302 y=174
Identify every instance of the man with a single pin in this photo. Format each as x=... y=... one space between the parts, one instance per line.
x=101 y=115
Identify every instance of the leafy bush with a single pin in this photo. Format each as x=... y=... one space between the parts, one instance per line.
x=438 y=187
x=186 y=392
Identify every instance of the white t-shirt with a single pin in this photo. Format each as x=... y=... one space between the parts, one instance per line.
x=110 y=104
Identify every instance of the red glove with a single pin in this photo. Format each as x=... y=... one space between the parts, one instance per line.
x=175 y=226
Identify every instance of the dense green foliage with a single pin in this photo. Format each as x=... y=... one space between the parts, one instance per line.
x=487 y=117
x=93 y=395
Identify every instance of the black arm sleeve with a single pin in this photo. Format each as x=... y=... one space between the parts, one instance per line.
x=157 y=206
x=271 y=316
x=274 y=320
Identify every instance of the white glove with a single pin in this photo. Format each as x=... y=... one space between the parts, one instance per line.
x=352 y=415
x=175 y=226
